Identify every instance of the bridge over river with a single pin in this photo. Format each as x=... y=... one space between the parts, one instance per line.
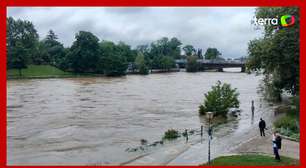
x=214 y=64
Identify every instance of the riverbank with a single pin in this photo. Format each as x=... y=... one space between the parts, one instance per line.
x=48 y=71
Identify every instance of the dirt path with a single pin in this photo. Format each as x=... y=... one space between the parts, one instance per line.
x=264 y=145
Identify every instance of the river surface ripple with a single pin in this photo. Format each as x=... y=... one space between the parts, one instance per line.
x=94 y=120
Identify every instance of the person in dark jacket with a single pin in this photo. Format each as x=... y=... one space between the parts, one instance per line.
x=262 y=127
x=276 y=142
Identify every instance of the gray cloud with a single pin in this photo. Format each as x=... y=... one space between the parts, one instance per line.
x=226 y=28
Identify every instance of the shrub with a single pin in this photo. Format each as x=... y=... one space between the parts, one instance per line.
x=220 y=99
x=171 y=134
x=286 y=125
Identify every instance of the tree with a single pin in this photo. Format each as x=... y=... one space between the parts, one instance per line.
x=54 y=49
x=200 y=53
x=21 y=41
x=167 y=63
x=192 y=64
x=18 y=57
x=126 y=51
x=141 y=64
x=175 y=49
x=189 y=50
x=212 y=53
x=112 y=62
x=84 y=53
x=163 y=52
x=42 y=55
x=220 y=99
x=277 y=53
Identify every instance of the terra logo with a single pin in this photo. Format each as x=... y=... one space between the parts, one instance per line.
x=285 y=21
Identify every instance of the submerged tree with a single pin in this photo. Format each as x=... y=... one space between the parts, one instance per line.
x=192 y=64
x=220 y=99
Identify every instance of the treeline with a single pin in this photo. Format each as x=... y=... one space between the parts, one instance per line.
x=277 y=54
x=90 y=55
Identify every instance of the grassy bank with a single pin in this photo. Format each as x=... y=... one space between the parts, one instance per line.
x=37 y=71
x=252 y=160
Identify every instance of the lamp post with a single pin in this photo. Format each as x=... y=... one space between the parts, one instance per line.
x=209 y=115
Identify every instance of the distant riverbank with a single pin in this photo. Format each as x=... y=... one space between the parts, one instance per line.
x=47 y=71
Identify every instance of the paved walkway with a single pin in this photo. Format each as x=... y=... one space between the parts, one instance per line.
x=195 y=153
x=264 y=145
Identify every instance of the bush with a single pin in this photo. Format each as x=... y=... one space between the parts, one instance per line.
x=287 y=122
x=220 y=99
x=287 y=125
x=143 y=69
x=171 y=134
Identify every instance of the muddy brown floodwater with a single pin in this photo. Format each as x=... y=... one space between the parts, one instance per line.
x=94 y=120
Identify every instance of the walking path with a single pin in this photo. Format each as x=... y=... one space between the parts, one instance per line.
x=195 y=153
x=264 y=145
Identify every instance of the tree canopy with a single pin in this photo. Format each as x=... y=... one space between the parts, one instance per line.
x=84 y=52
x=88 y=55
x=189 y=50
x=220 y=99
x=212 y=53
x=21 y=42
x=277 y=53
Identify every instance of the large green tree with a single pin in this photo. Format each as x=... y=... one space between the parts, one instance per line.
x=189 y=50
x=164 y=48
x=212 y=53
x=54 y=48
x=84 y=53
x=277 y=53
x=112 y=62
x=220 y=99
x=126 y=51
x=21 y=43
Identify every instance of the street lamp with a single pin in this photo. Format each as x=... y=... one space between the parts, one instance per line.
x=209 y=115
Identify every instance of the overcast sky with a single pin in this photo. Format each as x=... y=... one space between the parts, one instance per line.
x=227 y=29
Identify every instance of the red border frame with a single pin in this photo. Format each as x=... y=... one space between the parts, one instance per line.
x=183 y=3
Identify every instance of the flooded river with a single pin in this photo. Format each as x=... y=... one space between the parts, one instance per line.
x=95 y=120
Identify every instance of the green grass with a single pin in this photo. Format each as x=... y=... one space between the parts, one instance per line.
x=252 y=160
x=38 y=71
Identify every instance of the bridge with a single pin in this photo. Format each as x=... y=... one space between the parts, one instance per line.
x=214 y=64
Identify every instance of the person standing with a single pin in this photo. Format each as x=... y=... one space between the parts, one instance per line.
x=253 y=108
x=276 y=142
x=262 y=127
